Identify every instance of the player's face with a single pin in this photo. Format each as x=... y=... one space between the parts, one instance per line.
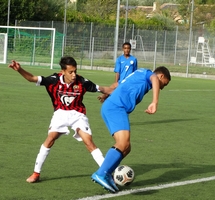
x=163 y=81
x=126 y=49
x=69 y=74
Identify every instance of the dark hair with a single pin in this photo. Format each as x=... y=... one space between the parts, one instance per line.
x=67 y=60
x=126 y=43
x=163 y=70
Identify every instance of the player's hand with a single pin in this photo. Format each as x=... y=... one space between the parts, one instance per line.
x=15 y=65
x=152 y=108
x=102 y=98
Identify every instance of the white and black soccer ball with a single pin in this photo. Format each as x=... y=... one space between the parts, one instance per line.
x=123 y=175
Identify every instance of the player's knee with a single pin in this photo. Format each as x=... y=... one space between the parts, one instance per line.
x=123 y=146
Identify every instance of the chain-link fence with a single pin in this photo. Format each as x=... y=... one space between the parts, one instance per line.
x=92 y=45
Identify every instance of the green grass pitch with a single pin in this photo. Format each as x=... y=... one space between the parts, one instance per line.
x=176 y=144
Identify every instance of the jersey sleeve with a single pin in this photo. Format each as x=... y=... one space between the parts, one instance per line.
x=89 y=85
x=52 y=79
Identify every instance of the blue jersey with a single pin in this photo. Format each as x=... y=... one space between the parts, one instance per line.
x=132 y=89
x=125 y=66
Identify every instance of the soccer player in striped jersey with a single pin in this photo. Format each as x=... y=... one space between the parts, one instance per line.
x=115 y=113
x=66 y=90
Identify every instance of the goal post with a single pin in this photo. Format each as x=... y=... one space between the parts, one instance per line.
x=3 y=48
x=29 y=45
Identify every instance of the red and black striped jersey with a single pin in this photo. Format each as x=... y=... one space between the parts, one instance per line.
x=67 y=96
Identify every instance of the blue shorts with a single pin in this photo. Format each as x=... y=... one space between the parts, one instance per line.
x=115 y=118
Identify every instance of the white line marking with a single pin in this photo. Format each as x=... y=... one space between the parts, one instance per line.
x=169 y=185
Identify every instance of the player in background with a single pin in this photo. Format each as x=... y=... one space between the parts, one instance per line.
x=125 y=65
x=66 y=90
x=115 y=113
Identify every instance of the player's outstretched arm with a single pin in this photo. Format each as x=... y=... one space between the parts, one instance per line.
x=106 y=92
x=28 y=76
x=152 y=108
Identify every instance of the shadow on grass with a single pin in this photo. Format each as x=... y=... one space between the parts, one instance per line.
x=177 y=172
x=43 y=179
x=160 y=121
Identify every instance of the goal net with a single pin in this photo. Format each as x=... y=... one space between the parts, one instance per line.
x=3 y=47
x=31 y=45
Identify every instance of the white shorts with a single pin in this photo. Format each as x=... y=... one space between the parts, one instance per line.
x=62 y=119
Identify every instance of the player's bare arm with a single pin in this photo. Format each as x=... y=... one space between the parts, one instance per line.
x=116 y=77
x=109 y=90
x=105 y=90
x=28 y=76
x=152 y=108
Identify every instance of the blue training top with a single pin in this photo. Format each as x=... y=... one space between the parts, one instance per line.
x=132 y=89
x=125 y=66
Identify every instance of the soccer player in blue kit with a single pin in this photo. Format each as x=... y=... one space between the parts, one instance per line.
x=115 y=113
x=125 y=64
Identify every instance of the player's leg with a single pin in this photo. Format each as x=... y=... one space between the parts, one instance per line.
x=122 y=141
x=107 y=181
x=104 y=173
x=57 y=127
x=121 y=128
x=116 y=153
x=91 y=147
x=41 y=156
x=83 y=133
x=120 y=131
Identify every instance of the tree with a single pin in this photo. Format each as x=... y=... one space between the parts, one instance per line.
x=3 y=12
x=47 y=10
x=80 y=4
x=202 y=14
x=100 y=8
x=40 y=10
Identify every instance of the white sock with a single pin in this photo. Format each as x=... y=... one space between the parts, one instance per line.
x=98 y=156
x=41 y=156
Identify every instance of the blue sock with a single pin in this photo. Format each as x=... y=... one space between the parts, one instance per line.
x=111 y=161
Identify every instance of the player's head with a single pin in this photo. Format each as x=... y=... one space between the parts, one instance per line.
x=68 y=68
x=67 y=60
x=164 y=76
x=126 y=47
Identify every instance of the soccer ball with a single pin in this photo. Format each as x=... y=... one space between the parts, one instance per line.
x=123 y=175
